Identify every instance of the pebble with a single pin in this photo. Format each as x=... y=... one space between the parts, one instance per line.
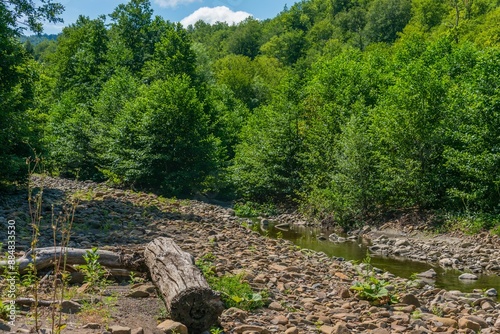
x=467 y=276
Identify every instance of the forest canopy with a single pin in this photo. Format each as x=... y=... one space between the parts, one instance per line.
x=347 y=109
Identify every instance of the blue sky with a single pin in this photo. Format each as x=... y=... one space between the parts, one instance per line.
x=185 y=11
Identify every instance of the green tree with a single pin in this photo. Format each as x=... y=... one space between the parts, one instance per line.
x=161 y=141
x=386 y=18
x=68 y=138
x=80 y=57
x=266 y=166
x=18 y=15
x=17 y=83
x=173 y=55
x=237 y=73
x=472 y=155
x=245 y=39
x=132 y=41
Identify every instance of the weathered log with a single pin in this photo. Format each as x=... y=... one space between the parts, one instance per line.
x=185 y=291
x=44 y=258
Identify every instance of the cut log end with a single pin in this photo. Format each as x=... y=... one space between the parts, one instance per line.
x=185 y=291
x=197 y=308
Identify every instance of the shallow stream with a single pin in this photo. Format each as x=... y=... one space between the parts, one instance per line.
x=307 y=237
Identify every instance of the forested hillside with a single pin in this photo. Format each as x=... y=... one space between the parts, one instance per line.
x=347 y=109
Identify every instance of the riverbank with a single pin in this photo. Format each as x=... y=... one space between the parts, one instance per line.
x=309 y=292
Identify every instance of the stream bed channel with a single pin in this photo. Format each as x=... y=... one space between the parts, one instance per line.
x=356 y=250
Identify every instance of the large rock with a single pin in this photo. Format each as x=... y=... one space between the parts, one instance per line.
x=292 y=330
x=339 y=328
x=431 y=273
x=171 y=327
x=464 y=323
x=250 y=328
x=477 y=319
x=467 y=276
x=410 y=299
x=447 y=322
x=116 y=329
x=69 y=306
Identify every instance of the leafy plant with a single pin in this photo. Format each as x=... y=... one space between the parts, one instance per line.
x=4 y=311
x=374 y=290
x=235 y=292
x=253 y=209
x=95 y=274
x=216 y=330
x=371 y=288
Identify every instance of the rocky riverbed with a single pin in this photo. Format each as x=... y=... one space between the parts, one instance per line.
x=309 y=292
x=475 y=254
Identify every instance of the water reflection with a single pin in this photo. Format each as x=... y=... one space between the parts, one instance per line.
x=307 y=237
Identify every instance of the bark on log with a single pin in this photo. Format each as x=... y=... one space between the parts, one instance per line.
x=44 y=258
x=186 y=292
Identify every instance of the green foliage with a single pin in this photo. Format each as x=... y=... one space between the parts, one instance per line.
x=160 y=140
x=95 y=274
x=69 y=137
x=80 y=56
x=237 y=293
x=4 y=311
x=234 y=290
x=17 y=94
x=266 y=166
x=348 y=108
x=371 y=288
x=253 y=209
x=17 y=15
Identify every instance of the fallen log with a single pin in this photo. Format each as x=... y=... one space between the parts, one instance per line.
x=44 y=258
x=185 y=291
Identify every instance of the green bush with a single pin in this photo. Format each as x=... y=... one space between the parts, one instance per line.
x=235 y=292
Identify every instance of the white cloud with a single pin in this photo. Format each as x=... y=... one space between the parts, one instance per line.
x=215 y=14
x=173 y=3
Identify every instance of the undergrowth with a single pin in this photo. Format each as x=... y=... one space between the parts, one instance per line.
x=253 y=209
x=235 y=292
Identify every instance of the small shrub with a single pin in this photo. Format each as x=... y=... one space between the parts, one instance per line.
x=234 y=291
x=237 y=293
x=371 y=288
x=95 y=274
x=252 y=209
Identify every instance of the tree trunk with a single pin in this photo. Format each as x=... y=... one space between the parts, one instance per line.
x=45 y=258
x=185 y=291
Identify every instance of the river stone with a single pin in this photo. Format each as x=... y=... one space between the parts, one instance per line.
x=275 y=306
x=431 y=273
x=447 y=322
x=69 y=306
x=250 y=328
x=119 y=329
x=497 y=323
x=491 y=292
x=339 y=328
x=138 y=294
x=171 y=327
x=467 y=276
x=292 y=330
x=466 y=323
x=476 y=319
x=446 y=262
x=379 y=331
x=401 y=242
